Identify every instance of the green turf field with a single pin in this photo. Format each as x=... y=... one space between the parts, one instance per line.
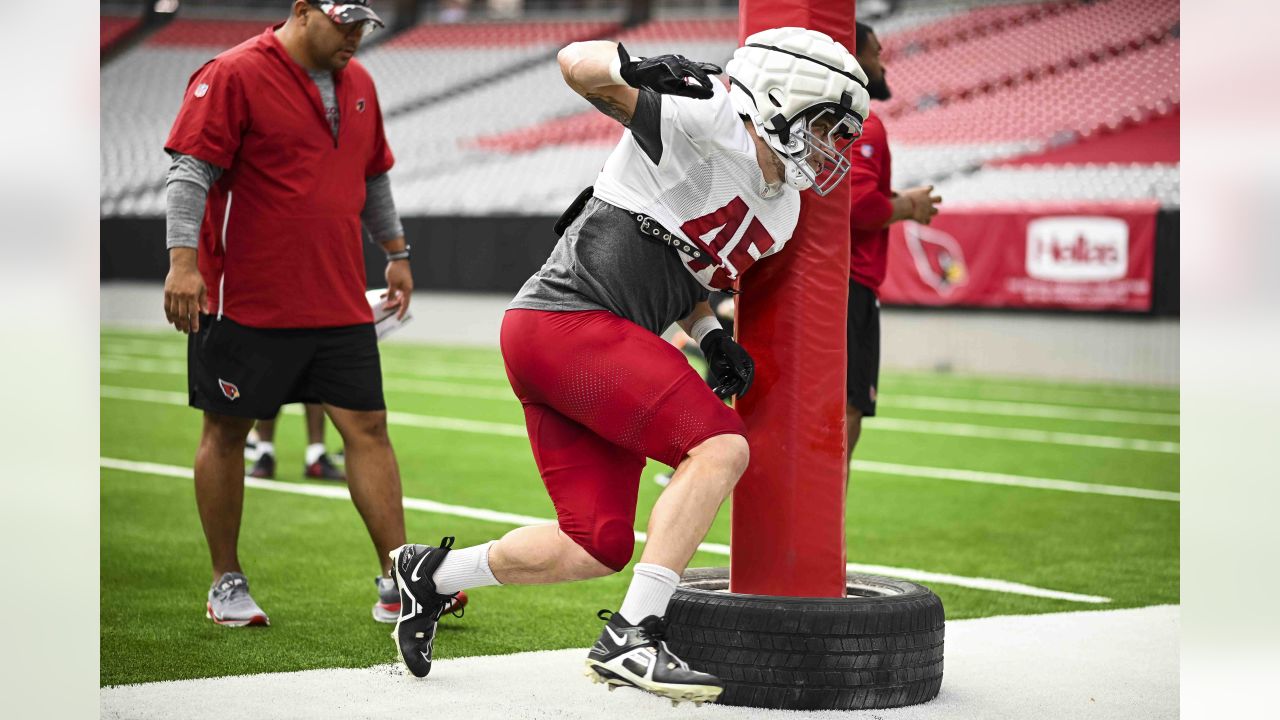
x=942 y=489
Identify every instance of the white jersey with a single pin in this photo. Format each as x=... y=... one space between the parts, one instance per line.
x=705 y=186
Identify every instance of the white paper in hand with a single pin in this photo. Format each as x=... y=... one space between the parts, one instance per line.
x=384 y=320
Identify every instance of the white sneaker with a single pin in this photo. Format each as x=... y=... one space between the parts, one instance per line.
x=230 y=604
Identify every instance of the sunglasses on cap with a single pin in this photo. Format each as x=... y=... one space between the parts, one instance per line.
x=352 y=12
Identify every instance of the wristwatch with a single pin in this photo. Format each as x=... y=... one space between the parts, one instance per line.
x=400 y=255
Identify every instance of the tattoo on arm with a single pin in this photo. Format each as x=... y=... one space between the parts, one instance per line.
x=611 y=107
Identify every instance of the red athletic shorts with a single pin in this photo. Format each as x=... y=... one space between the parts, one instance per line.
x=600 y=395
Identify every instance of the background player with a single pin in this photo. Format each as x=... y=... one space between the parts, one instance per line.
x=874 y=206
x=316 y=462
x=704 y=182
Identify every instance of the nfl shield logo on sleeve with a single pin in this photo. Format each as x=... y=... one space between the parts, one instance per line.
x=202 y=89
x=231 y=391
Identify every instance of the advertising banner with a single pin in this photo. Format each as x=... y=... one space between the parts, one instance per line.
x=1094 y=257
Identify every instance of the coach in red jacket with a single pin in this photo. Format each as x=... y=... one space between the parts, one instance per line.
x=874 y=207
x=279 y=159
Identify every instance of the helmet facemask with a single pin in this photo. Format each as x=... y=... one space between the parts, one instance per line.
x=815 y=149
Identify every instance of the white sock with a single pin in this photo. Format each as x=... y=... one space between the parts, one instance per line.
x=465 y=568
x=266 y=448
x=651 y=589
x=314 y=451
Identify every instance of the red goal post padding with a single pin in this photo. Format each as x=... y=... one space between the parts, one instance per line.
x=788 y=509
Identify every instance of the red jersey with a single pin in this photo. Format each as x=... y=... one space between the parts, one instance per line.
x=870 y=204
x=281 y=244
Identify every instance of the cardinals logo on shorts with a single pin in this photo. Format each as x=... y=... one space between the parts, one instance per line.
x=360 y=105
x=231 y=391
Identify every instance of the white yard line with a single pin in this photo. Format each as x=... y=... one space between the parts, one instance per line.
x=408 y=352
x=457 y=424
x=492 y=378
x=1078 y=398
x=1102 y=665
x=138 y=358
x=442 y=389
x=1024 y=409
x=114 y=363
x=334 y=492
x=512 y=430
x=992 y=432
x=924 y=427
x=990 y=478
x=491 y=374
x=164 y=397
x=431 y=422
x=124 y=364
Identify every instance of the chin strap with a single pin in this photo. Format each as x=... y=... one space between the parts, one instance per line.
x=796 y=177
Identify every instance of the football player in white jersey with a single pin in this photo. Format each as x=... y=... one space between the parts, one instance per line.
x=704 y=183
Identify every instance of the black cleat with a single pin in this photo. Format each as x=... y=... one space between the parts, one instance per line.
x=420 y=604
x=264 y=467
x=638 y=656
x=324 y=469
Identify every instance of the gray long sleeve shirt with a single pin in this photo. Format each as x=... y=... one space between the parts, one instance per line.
x=189 y=180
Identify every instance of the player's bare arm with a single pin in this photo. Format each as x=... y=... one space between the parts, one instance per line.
x=606 y=75
x=586 y=68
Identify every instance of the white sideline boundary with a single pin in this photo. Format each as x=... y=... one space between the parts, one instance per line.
x=1119 y=664
x=511 y=430
x=922 y=427
x=333 y=492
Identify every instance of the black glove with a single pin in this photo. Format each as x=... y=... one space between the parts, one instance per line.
x=731 y=368
x=668 y=74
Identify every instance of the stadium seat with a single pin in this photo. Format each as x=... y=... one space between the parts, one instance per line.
x=1074 y=36
x=112 y=28
x=481 y=122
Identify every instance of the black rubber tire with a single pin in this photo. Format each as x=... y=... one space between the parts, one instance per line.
x=880 y=647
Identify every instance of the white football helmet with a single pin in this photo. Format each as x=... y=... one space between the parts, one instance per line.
x=806 y=97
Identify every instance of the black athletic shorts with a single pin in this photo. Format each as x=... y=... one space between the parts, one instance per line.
x=864 y=348
x=250 y=372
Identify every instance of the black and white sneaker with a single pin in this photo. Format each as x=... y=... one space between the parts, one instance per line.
x=638 y=656
x=420 y=604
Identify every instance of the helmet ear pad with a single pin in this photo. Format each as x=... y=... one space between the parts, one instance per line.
x=781 y=128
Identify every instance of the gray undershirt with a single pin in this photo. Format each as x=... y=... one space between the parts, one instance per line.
x=328 y=98
x=187 y=188
x=602 y=262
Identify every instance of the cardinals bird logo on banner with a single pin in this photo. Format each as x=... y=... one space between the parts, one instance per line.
x=938 y=257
